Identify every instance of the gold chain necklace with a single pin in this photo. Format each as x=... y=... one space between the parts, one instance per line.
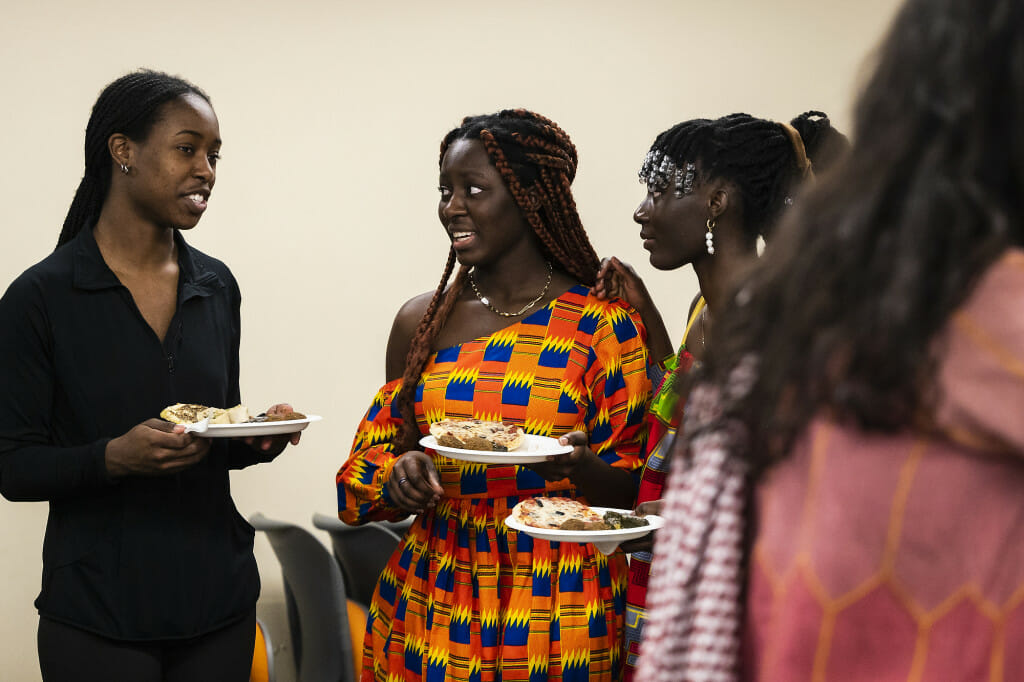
x=486 y=301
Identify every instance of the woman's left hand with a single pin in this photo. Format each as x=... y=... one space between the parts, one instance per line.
x=557 y=467
x=273 y=445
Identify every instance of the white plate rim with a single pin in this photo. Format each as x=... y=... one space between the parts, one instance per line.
x=605 y=540
x=258 y=428
x=522 y=455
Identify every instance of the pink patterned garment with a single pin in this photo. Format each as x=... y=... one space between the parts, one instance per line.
x=882 y=557
x=900 y=557
x=692 y=634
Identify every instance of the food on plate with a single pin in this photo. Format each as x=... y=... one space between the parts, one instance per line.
x=239 y=414
x=618 y=520
x=579 y=524
x=284 y=416
x=190 y=413
x=477 y=434
x=553 y=512
x=563 y=513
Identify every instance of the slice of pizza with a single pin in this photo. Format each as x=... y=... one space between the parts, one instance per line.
x=477 y=434
x=556 y=513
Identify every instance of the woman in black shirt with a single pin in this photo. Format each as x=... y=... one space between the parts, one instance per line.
x=148 y=570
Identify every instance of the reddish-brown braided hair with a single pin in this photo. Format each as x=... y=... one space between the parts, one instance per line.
x=537 y=161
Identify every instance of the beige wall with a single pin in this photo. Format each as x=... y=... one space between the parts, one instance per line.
x=331 y=114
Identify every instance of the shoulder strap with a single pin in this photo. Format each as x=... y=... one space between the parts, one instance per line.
x=693 y=318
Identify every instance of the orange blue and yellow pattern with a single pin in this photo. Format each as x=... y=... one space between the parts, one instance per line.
x=465 y=598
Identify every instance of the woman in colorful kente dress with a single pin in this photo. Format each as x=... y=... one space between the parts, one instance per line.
x=713 y=188
x=517 y=335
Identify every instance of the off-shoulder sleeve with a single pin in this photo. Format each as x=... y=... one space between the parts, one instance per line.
x=362 y=495
x=619 y=387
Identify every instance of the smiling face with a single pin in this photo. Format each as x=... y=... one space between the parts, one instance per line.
x=476 y=209
x=673 y=225
x=173 y=169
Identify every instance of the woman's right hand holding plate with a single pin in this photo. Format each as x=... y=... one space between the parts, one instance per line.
x=154 y=448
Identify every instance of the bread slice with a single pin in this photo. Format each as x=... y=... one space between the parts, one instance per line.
x=190 y=413
x=239 y=414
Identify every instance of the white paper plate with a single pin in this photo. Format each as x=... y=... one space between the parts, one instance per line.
x=606 y=541
x=533 y=449
x=258 y=429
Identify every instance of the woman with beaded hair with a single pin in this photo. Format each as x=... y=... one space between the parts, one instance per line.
x=713 y=188
x=148 y=569
x=862 y=401
x=517 y=335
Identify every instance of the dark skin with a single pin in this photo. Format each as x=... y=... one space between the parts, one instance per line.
x=171 y=173
x=489 y=232
x=673 y=229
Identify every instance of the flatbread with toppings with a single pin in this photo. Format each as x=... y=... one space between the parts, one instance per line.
x=554 y=512
x=563 y=513
x=190 y=413
x=477 y=434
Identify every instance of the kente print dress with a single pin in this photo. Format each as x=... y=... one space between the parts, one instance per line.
x=465 y=598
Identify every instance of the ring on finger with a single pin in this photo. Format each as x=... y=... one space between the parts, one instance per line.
x=402 y=480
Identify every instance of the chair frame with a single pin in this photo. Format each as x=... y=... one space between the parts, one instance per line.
x=316 y=600
x=268 y=653
x=361 y=566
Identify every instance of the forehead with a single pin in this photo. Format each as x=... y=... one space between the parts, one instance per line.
x=467 y=156
x=189 y=114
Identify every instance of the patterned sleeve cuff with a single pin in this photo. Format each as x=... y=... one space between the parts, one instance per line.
x=385 y=496
x=656 y=370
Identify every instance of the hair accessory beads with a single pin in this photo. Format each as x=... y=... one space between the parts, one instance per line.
x=659 y=170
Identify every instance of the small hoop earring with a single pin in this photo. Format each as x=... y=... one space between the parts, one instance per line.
x=709 y=238
x=124 y=169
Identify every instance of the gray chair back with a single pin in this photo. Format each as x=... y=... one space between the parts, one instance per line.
x=316 y=601
x=362 y=551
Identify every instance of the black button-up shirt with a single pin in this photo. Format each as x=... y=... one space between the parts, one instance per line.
x=143 y=557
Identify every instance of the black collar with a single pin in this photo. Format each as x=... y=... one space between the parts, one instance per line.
x=92 y=273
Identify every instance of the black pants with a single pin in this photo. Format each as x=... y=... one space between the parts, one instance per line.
x=68 y=654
